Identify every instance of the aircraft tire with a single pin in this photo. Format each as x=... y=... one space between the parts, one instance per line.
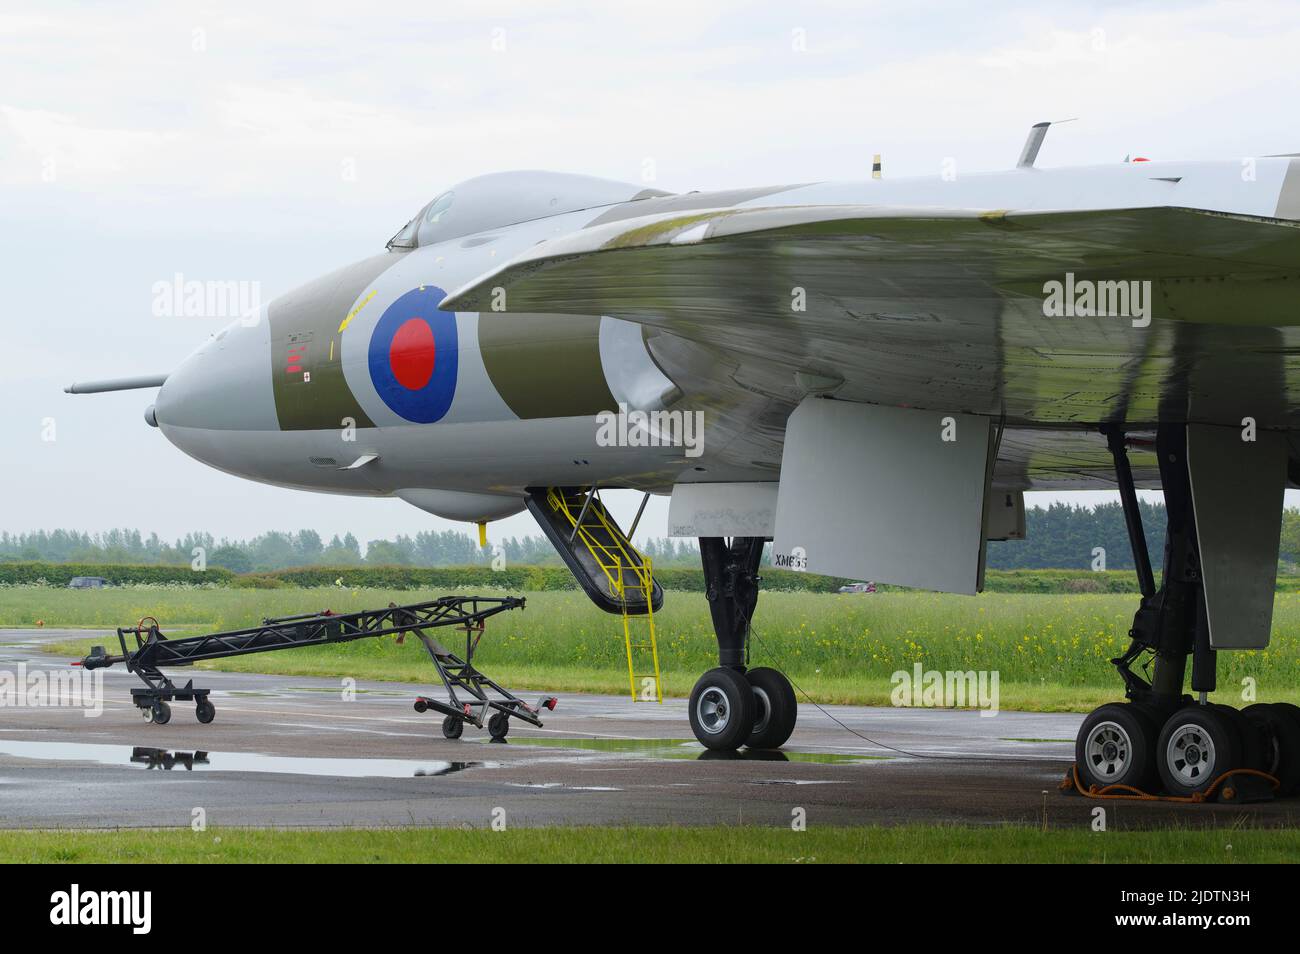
x=775 y=709
x=1116 y=745
x=1196 y=746
x=1281 y=722
x=722 y=709
x=1252 y=736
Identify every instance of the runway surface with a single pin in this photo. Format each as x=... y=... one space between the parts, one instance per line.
x=290 y=751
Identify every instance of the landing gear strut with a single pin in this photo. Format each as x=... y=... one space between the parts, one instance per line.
x=731 y=706
x=1161 y=737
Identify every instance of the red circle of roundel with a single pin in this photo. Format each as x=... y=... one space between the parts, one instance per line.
x=412 y=354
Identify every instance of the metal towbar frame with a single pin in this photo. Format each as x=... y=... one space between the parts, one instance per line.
x=153 y=651
x=458 y=673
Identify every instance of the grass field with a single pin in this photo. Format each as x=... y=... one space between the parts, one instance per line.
x=1051 y=651
x=910 y=843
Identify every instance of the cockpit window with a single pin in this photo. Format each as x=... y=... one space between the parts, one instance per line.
x=436 y=209
x=406 y=238
x=501 y=199
x=431 y=214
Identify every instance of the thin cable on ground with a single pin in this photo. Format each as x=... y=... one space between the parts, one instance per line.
x=884 y=745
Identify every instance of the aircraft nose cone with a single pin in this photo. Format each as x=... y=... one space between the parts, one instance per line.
x=224 y=385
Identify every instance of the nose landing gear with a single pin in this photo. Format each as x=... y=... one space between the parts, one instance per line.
x=731 y=705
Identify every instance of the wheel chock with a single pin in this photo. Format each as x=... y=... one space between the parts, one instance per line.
x=1239 y=787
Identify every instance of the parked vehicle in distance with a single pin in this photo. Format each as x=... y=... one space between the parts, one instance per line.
x=858 y=588
x=87 y=583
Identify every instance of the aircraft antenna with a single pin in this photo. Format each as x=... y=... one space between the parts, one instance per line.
x=1034 y=142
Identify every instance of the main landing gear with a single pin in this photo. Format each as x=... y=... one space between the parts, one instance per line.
x=1161 y=739
x=732 y=705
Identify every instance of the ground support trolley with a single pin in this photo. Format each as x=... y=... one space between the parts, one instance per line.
x=152 y=651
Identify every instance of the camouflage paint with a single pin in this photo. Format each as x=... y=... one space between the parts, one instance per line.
x=545 y=365
x=306 y=368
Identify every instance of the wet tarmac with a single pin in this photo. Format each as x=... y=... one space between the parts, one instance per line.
x=290 y=751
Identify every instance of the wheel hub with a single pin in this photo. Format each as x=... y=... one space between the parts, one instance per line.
x=712 y=710
x=1190 y=754
x=1109 y=750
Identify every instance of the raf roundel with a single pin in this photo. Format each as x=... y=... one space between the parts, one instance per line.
x=413 y=356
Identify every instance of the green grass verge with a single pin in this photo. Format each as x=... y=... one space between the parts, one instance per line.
x=1052 y=652
x=910 y=843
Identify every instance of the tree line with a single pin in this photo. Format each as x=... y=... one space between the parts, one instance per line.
x=1060 y=536
x=1064 y=537
x=279 y=550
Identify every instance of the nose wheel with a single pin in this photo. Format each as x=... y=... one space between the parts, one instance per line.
x=729 y=709
x=775 y=709
x=722 y=709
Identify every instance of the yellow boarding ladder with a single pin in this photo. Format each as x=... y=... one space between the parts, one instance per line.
x=628 y=577
x=644 y=584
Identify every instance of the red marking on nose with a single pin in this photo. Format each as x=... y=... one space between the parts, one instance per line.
x=411 y=355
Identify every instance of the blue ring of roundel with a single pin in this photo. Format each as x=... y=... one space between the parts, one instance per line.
x=431 y=402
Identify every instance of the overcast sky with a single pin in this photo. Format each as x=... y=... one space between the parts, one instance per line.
x=272 y=142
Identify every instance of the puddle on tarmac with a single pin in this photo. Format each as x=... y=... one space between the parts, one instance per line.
x=323 y=690
x=168 y=760
x=689 y=749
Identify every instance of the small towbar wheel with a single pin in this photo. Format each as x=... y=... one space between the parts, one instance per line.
x=205 y=711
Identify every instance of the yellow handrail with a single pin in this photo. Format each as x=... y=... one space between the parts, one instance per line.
x=616 y=561
x=609 y=559
x=645 y=580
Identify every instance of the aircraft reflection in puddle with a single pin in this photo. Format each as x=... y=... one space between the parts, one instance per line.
x=166 y=761
x=742 y=755
x=162 y=759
